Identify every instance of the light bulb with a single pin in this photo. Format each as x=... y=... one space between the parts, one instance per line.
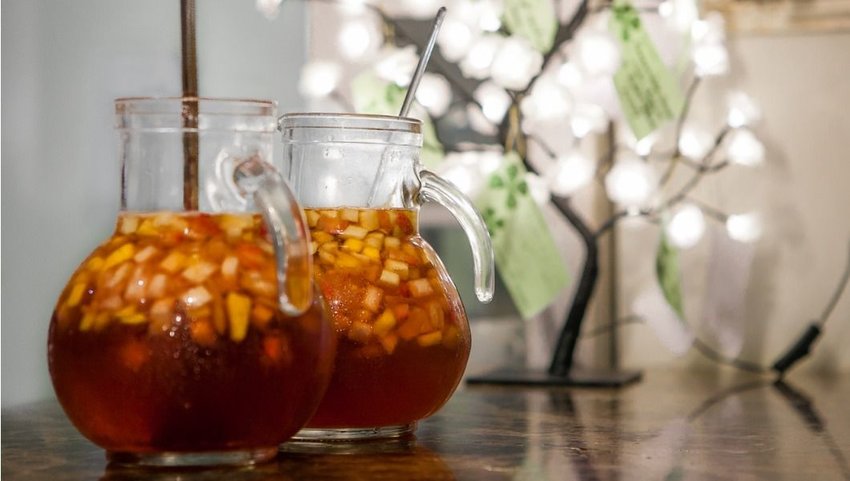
x=570 y=76
x=538 y=188
x=709 y=29
x=643 y=147
x=679 y=14
x=420 y=9
x=494 y=101
x=397 y=64
x=319 y=78
x=515 y=63
x=489 y=15
x=686 y=227
x=744 y=148
x=455 y=39
x=547 y=100
x=744 y=227
x=434 y=94
x=269 y=8
x=631 y=182
x=356 y=38
x=694 y=142
x=743 y=110
x=477 y=62
x=710 y=59
x=598 y=53
x=570 y=173
x=587 y=118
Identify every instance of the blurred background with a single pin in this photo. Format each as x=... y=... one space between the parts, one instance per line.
x=64 y=62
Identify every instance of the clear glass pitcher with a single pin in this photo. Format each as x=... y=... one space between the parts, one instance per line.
x=403 y=334
x=192 y=335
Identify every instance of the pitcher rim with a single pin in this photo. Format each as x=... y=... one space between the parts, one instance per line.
x=357 y=121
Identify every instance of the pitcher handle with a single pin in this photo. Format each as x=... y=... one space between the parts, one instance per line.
x=436 y=189
x=288 y=227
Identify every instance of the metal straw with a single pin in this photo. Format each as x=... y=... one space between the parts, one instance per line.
x=423 y=62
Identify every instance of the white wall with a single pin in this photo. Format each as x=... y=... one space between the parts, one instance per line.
x=63 y=62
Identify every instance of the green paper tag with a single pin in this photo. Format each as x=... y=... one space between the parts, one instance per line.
x=667 y=270
x=526 y=256
x=649 y=93
x=534 y=20
x=372 y=95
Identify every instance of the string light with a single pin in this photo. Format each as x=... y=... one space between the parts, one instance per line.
x=570 y=76
x=515 y=63
x=588 y=118
x=547 y=100
x=494 y=101
x=710 y=59
x=744 y=148
x=480 y=57
x=269 y=8
x=397 y=64
x=744 y=227
x=631 y=182
x=490 y=15
x=570 y=173
x=455 y=39
x=419 y=9
x=319 y=78
x=743 y=110
x=538 y=188
x=686 y=227
x=434 y=94
x=695 y=142
x=597 y=53
x=356 y=38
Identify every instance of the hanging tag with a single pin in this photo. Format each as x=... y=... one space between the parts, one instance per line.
x=526 y=256
x=533 y=19
x=371 y=95
x=649 y=93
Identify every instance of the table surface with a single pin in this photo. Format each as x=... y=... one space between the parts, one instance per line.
x=673 y=425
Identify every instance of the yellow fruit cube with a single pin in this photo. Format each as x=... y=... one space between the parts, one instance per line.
x=385 y=322
x=76 y=294
x=375 y=239
x=173 y=262
x=399 y=267
x=345 y=260
x=353 y=245
x=312 y=218
x=119 y=255
x=238 y=310
x=389 y=343
x=420 y=288
x=95 y=264
x=430 y=339
x=369 y=219
x=390 y=278
x=129 y=224
x=372 y=253
x=392 y=242
x=351 y=215
x=354 y=232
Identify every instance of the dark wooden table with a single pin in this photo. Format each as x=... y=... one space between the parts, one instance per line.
x=671 y=426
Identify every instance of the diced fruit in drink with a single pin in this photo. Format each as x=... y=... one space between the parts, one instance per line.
x=238 y=309
x=199 y=272
x=145 y=254
x=119 y=255
x=196 y=297
x=420 y=288
x=390 y=278
x=385 y=301
x=76 y=294
x=173 y=262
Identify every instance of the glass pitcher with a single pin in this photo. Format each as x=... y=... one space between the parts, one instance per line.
x=192 y=336
x=403 y=334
